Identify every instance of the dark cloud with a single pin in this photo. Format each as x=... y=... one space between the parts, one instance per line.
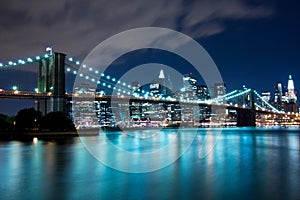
x=75 y=27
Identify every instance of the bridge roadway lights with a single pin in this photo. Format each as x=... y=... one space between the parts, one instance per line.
x=246 y=117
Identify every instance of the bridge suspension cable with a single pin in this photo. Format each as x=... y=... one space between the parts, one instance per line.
x=23 y=61
x=224 y=97
x=239 y=94
x=106 y=80
x=267 y=103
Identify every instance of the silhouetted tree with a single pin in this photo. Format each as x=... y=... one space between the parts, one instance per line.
x=6 y=122
x=28 y=119
x=56 y=121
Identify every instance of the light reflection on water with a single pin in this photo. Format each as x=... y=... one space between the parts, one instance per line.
x=244 y=164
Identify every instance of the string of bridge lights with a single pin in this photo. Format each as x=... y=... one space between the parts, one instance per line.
x=92 y=75
x=221 y=98
x=259 y=106
x=105 y=83
x=239 y=94
x=24 y=61
x=267 y=103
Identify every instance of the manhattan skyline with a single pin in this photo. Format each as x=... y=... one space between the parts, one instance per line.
x=253 y=44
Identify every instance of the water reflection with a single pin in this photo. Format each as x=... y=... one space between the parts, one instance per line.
x=244 y=164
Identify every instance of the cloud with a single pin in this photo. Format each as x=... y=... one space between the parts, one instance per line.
x=75 y=27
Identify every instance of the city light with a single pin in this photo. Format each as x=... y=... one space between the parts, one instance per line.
x=241 y=99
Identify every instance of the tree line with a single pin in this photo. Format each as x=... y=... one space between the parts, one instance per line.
x=31 y=120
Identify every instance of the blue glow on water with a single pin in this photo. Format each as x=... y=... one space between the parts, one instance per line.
x=245 y=163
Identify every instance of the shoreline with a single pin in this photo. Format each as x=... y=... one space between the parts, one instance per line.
x=30 y=135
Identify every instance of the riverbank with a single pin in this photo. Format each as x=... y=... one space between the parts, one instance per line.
x=29 y=135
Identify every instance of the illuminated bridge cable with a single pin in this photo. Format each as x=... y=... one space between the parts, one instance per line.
x=104 y=82
x=93 y=75
x=239 y=94
x=259 y=106
x=267 y=103
x=221 y=98
x=23 y=61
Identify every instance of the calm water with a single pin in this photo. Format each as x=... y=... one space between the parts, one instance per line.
x=244 y=164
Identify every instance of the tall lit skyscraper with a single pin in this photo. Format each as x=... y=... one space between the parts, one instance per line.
x=158 y=86
x=162 y=82
x=278 y=93
x=279 y=98
x=291 y=90
x=161 y=74
x=291 y=104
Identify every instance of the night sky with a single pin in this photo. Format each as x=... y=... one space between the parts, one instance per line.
x=256 y=43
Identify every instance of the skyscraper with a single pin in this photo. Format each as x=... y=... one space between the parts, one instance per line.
x=291 y=104
x=158 y=86
x=218 y=90
x=291 y=90
x=189 y=82
x=279 y=97
x=202 y=92
x=189 y=87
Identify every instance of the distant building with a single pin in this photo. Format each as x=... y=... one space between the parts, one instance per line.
x=291 y=90
x=188 y=91
x=189 y=82
x=158 y=87
x=136 y=88
x=155 y=87
x=291 y=104
x=279 y=97
x=266 y=96
x=219 y=89
x=202 y=92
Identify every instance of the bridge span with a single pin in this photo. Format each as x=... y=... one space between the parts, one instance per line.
x=245 y=105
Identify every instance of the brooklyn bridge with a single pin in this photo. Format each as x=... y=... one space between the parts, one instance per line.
x=117 y=103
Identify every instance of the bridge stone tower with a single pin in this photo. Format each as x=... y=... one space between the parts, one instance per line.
x=51 y=80
x=247 y=117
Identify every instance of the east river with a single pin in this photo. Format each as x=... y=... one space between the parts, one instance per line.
x=235 y=163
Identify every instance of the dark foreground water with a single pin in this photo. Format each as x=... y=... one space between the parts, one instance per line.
x=244 y=164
